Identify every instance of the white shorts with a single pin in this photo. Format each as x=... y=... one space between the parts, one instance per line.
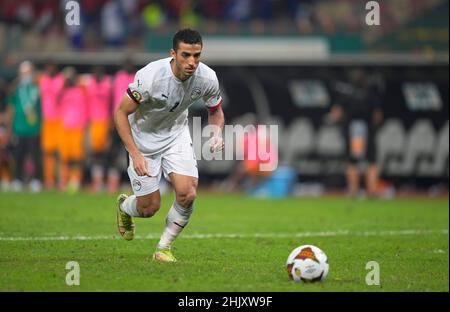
x=179 y=158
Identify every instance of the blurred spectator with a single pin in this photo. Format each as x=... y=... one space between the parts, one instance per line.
x=73 y=106
x=46 y=12
x=120 y=22
x=189 y=16
x=213 y=13
x=358 y=109
x=8 y=11
x=239 y=10
x=24 y=116
x=113 y=24
x=51 y=84
x=129 y=7
x=303 y=15
x=8 y=70
x=91 y=10
x=153 y=15
x=175 y=7
x=324 y=13
x=99 y=91
x=212 y=10
x=131 y=12
x=122 y=79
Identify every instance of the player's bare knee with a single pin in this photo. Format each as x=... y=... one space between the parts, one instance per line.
x=186 y=199
x=149 y=209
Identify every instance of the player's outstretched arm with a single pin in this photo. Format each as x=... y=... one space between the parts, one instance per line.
x=126 y=107
x=216 y=118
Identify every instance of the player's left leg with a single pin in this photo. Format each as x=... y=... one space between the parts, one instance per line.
x=179 y=214
x=146 y=199
x=180 y=166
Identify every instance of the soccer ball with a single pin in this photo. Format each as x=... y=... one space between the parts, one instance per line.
x=307 y=263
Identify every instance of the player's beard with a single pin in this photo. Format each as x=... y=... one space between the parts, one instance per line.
x=183 y=71
x=189 y=72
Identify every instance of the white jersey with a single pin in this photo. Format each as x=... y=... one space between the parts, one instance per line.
x=164 y=101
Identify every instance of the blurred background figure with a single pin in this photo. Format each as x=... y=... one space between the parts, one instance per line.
x=74 y=114
x=51 y=83
x=247 y=175
x=122 y=79
x=113 y=24
x=99 y=92
x=24 y=116
x=6 y=169
x=358 y=110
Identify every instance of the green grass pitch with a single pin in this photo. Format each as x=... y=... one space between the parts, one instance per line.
x=233 y=243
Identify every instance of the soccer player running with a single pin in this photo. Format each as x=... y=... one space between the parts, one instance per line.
x=152 y=123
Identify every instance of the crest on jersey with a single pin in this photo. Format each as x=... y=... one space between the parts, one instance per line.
x=196 y=94
x=137 y=96
x=137 y=185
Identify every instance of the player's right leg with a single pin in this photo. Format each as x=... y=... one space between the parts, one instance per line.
x=125 y=224
x=135 y=206
x=144 y=203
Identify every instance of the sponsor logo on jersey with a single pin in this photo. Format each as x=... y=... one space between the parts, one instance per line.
x=307 y=253
x=196 y=94
x=137 y=185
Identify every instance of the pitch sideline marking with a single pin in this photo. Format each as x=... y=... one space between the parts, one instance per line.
x=236 y=235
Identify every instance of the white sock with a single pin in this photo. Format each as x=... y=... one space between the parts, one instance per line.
x=129 y=206
x=176 y=220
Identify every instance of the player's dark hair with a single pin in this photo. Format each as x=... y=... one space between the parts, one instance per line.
x=186 y=35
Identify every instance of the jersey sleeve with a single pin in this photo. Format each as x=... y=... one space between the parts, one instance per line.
x=139 y=90
x=212 y=97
